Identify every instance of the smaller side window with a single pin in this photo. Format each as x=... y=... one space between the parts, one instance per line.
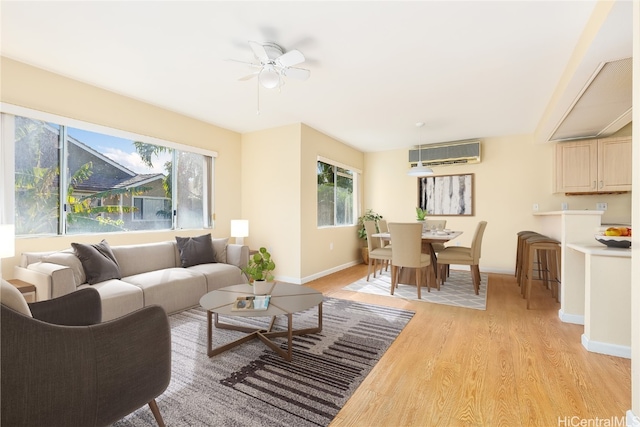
x=336 y=195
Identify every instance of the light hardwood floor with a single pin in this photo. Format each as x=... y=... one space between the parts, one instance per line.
x=506 y=366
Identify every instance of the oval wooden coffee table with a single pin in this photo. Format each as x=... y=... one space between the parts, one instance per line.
x=286 y=299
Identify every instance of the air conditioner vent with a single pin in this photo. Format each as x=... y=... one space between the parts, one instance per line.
x=448 y=153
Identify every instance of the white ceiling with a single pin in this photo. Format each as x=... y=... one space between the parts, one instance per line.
x=468 y=69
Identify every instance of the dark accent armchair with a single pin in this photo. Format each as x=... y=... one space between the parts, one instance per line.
x=62 y=367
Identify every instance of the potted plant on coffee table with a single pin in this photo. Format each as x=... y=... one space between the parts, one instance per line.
x=259 y=270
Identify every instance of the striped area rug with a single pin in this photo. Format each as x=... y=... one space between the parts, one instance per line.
x=252 y=386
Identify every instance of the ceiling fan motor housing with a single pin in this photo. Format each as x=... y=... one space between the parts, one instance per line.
x=273 y=51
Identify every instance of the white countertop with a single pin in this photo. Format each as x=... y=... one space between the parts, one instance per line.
x=568 y=212
x=601 y=250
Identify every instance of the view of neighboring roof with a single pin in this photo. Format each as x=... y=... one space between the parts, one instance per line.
x=106 y=173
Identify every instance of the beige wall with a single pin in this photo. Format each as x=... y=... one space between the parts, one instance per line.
x=515 y=172
x=271 y=195
x=279 y=199
x=34 y=88
x=324 y=249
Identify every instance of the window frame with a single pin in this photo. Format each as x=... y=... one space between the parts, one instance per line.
x=7 y=159
x=356 y=174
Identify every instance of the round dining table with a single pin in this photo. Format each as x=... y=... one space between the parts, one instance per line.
x=406 y=275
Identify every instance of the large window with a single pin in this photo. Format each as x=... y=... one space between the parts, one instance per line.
x=336 y=194
x=70 y=180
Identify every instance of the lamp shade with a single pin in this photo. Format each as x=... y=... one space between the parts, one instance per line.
x=269 y=77
x=420 y=170
x=239 y=230
x=7 y=240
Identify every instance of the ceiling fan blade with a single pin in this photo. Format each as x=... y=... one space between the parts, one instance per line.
x=291 y=58
x=249 y=76
x=296 y=73
x=259 y=51
x=250 y=64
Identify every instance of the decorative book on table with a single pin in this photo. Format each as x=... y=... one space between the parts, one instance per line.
x=251 y=303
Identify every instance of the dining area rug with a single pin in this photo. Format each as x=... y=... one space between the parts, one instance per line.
x=456 y=291
x=250 y=385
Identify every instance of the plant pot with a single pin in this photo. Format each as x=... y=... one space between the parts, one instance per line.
x=365 y=255
x=261 y=287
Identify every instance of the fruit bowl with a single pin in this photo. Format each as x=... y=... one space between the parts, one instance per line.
x=614 y=241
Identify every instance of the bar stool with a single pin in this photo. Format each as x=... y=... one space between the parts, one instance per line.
x=548 y=253
x=522 y=235
x=537 y=261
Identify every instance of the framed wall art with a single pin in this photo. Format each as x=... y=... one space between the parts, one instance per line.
x=446 y=194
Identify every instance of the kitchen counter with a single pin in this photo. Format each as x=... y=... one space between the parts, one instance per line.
x=606 y=274
x=569 y=213
x=570 y=226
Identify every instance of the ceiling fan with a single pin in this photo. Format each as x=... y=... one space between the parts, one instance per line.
x=275 y=64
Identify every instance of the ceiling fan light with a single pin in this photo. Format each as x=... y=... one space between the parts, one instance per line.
x=269 y=78
x=420 y=170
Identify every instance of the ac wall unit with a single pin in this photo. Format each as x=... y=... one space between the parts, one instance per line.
x=447 y=153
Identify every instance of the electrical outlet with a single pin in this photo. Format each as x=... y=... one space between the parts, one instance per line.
x=601 y=206
x=535 y=207
x=565 y=206
x=331 y=246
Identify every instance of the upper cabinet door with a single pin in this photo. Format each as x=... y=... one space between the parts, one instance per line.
x=577 y=166
x=614 y=164
x=595 y=165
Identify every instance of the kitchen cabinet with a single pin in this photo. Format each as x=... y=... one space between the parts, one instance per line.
x=593 y=166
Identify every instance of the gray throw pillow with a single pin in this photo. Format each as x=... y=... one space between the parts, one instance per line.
x=98 y=262
x=195 y=250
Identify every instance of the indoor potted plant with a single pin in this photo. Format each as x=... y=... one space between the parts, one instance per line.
x=421 y=216
x=369 y=215
x=259 y=270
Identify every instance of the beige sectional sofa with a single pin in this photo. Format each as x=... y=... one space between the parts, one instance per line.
x=150 y=274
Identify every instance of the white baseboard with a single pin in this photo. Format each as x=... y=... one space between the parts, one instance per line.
x=578 y=319
x=303 y=280
x=606 y=348
x=632 y=420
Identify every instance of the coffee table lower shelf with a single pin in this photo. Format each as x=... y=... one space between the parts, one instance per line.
x=264 y=335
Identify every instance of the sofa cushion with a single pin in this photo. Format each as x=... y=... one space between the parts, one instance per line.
x=68 y=259
x=195 y=250
x=173 y=289
x=145 y=257
x=98 y=261
x=220 y=249
x=220 y=275
x=118 y=298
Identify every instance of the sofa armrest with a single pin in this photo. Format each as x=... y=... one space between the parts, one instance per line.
x=80 y=308
x=237 y=255
x=50 y=280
